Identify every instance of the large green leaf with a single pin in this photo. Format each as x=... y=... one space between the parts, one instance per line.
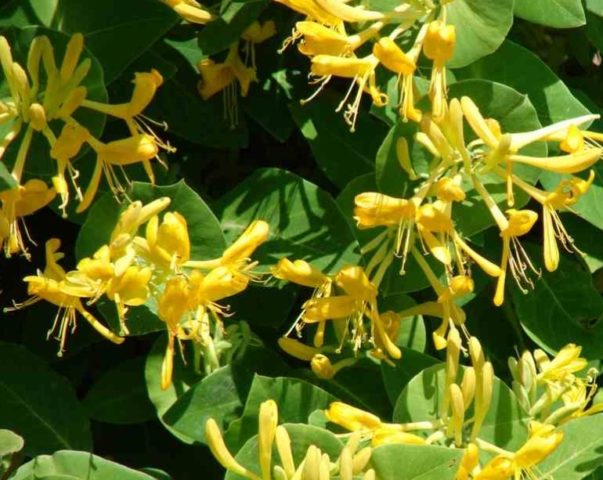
x=481 y=26
x=504 y=424
x=183 y=377
x=563 y=307
x=302 y=436
x=305 y=222
x=296 y=400
x=116 y=32
x=10 y=443
x=552 y=13
x=579 y=453
x=343 y=155
x=72 y=465
x=216 y=396
x=517 y=67
x=397 y=376
x=595 y=6
x=38 y=404
x=204 y=231
x=120 y=395
x=415 y=462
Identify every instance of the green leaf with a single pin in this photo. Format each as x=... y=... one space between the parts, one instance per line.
x=517 y=67
x=397 y=376
x=305 y=222
x=583 y=232
x=595 y=6
x=504 y=424
x=341 y=154
x=10 y=443
x=579 y=453
x=17 y=13
x=302 y=436
x=116 y=32
x=235 y=17
x=296 y=400
x=415 y=462
x=38 y=404
x=216 y=396
x=552 y=13
x=183 y=377
x=204 y=231
x=71 y=465
x=481 y=26
x=564 y=306
x=120 y=395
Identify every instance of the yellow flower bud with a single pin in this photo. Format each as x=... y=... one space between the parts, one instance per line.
x=500 y=467
x=440 y=41
x=37 y=117
x=375 y=209
x=346 y=67
x=173 y=302
x=393 y=58
x=351 y=418
x=283 y=446
x=126 y=151
x=268 y=420
x=391 y=436
x=297 y=349
x=169 y=241
x=300 y=272
x=69 y=142
x=74 y=49
x=321 y=40
x=322 y=367
x=329 y=308
x=448 y=190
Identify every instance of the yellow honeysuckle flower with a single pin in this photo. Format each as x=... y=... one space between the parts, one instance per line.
x=566 y=362
x=520 y=222
x=438 y=46
x=298 y=349
x=360 y=70
x=393 y=58
x=241 y=250
x=49 y=286
x=319 y=39
x=223 y=282
x=140 y=148
x=129 y=289
x=17 y=203
x=499 y=468
x=168 y=243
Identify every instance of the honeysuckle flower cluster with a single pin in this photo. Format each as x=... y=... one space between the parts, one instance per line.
x=425 y=222
x=44 y=99
x=316 y=464
x=461 y=411
x=155 y=269
x=323 y=37
x=550 y=390
x=346 y=300
x=235 y=74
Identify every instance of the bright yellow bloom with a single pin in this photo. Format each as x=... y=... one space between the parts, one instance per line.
x=190 y=10
x=17 y=203
x=300 y=272
x=168 y=243
x=438 y=46
x=352 y=418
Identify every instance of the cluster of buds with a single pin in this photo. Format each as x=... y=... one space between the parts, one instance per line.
x=235 y=74
x=455 y=424
x=43 y=94
x=426 y=221
x=347 y=301
x=549 y=389
x=316 y=464
x=333 y=52
x=154 y=269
